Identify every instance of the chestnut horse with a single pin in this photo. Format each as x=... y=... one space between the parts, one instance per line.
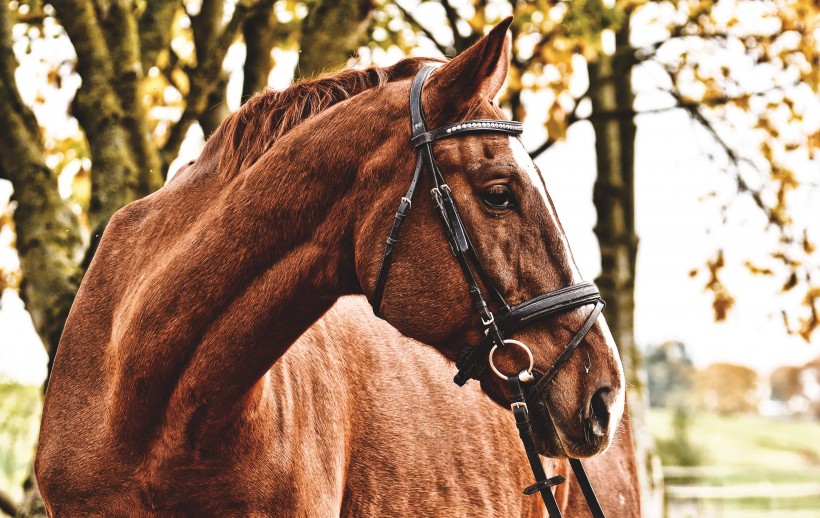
x=162 y=401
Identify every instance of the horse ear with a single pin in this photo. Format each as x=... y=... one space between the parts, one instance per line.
x=475 y=74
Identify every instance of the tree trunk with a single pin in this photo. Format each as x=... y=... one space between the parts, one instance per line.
x=330 y=32
x=260 y=36
x=49 y=243
x=613 y=120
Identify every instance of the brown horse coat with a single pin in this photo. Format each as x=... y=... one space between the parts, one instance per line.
x=421 y=446
x=358 y=420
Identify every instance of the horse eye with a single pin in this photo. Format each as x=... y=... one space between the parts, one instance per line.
x=498 y=197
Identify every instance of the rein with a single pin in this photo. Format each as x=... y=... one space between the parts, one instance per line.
x=474 y=360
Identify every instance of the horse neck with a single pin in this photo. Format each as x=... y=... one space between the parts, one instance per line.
x=255 y=267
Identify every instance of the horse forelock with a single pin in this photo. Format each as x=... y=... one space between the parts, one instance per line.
x=248 y=133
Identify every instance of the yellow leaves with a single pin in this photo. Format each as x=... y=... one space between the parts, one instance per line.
x=556 y=122
x=786 y=260
x=814 y=140
x=758 y=270
x=742 y=101
x=721 y=305
x=790 y=283
x=81 y=186
x=766 y=151
x=722 y=300
x=808 y=246
x=785 y=177
x=809 y=324
x=812 y=294
x=181 y=81
x=9 y=277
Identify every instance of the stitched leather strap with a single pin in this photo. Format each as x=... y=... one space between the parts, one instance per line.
x=542 y=484
x=548 y=304
x=514 y=128
x=406 y=201
x=393 y=239
x=541 y=384
x=586 y=488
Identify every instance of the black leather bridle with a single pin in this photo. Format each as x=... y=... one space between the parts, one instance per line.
x=473 y=361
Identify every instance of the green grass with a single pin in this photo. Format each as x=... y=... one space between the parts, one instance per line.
x=742 y=451
x=20 y=409
x=748 y=441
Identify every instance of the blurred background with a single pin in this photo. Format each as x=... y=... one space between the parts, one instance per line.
x=679 y=141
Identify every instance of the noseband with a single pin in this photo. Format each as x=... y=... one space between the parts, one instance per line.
x=474 y=360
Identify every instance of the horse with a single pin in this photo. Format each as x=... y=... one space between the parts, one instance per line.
x=404 y=454
x=161 y=401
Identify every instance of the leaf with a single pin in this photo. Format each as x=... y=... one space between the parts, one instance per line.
x=790 y=283
x=757 y=270
x=722 y=304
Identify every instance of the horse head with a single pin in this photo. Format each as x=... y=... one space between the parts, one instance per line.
x=512 y=227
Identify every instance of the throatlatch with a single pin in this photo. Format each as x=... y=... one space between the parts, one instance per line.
x=474 y=360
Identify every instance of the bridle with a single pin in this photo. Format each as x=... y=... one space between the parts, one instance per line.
x=474 y=360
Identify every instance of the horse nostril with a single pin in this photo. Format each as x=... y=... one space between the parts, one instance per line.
x=599 y=411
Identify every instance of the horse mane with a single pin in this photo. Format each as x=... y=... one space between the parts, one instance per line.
x=248 y=133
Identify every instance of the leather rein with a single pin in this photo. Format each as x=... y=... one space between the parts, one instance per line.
x=474 y=360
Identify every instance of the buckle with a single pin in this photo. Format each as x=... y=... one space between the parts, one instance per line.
x=519 y=404
x=487 y=322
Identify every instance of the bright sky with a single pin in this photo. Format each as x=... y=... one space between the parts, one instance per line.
x=677 y=230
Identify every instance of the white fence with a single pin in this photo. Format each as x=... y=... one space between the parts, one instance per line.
x=715 y=492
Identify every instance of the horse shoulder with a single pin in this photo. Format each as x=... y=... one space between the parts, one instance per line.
x=420 y=444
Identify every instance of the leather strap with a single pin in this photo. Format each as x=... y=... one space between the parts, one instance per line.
x=514 y=128
x=393 y=239
x=527 y=312
x=542 y=484
x=586 y=488
x=407 y=199
x=541 y=384
x=558 y=301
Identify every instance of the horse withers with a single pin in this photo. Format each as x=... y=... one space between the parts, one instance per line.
x=160 y=387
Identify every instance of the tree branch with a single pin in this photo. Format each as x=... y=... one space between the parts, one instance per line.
x=572 y=118
x=259 y=40
x=217 y=106
x=115 y=177
x=122 y=36
x=693 y=109
x=206 y=25
x=736 y=160
x=418 y=26
x=155 y=30
x=7 y=505
x=535 y=153
x=459 y=43
x=8 y=66
x=48 y=231
x=201 y=80
x=331 y=32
